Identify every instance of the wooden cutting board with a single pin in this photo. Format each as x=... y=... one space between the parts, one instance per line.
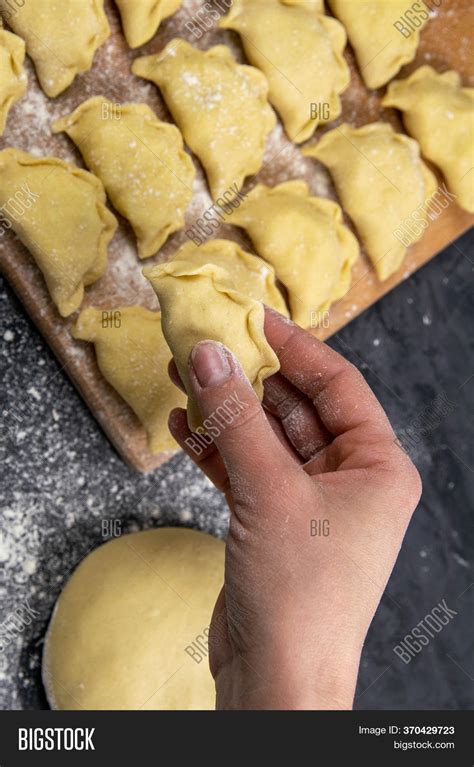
x=445 y=44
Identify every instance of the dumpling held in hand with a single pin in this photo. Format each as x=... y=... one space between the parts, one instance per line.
x=200 y=303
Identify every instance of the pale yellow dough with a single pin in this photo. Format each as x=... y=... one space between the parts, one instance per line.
x=220 y=106
x=250 y=274
x=141 y=18
x=382 y=183
x=300 y=52
x=439 y=113
x=133 y=356
x=314 y=5
x=305 y=239
x=380 y=47
x=122 y=631
x=61 y=36
x=13 y=80
x=200 y=303
x=141 y=162
x=61 y=217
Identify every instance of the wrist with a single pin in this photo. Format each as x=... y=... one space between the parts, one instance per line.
x=289 y=682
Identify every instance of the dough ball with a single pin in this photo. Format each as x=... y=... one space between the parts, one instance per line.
x=122 y=632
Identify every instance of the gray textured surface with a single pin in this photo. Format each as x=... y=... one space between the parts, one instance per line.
x=61 y=478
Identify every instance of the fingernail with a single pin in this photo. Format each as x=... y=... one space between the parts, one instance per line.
x=210 y=363
x=175 y=417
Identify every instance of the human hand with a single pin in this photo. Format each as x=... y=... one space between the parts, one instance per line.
x=320 y=496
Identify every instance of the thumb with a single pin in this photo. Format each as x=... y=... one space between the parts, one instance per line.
x=233 y=416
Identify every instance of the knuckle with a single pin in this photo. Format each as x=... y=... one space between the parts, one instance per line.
x=355 y=373
x=414 y=482
x=409 y=478
x=401 y=480
x=290 y=406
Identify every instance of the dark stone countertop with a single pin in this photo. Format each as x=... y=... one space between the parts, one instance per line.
x=61 y=478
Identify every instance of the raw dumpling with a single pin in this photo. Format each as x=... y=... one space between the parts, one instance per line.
x=13 y=80
x=439 y=113
x=61 y=36
x=133 y=357
x=300 y=52
x=58 y=212
x=382 y=183
x=199 y=303
x=378 y=35
x=250 y=275
x=141 y=162
x=141 y=18
x=305 y=239
x=220 y=106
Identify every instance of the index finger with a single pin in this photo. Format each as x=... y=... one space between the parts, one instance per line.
x=339 y=392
